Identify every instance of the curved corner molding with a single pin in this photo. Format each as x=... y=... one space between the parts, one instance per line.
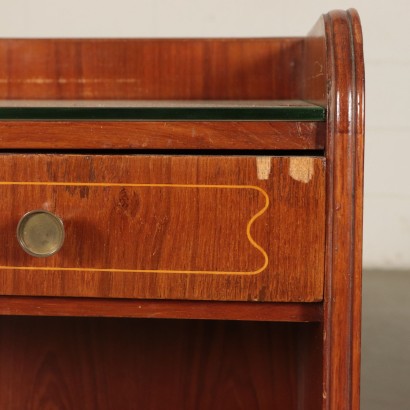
x=214 y=228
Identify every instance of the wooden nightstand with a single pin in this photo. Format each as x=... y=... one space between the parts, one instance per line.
x=182 y=222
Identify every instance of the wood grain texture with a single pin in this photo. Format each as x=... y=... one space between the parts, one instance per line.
x=171 y=135
x=166 y=309
x=150 y=69
x=202 y=228
x=344 y=204
x=106 y=364
x=312 y=230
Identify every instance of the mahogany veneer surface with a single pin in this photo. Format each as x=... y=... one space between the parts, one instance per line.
x=150 y=68
x=122 y=364
x=175 y=227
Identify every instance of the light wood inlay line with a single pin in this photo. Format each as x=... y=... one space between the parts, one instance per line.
x=102 y=184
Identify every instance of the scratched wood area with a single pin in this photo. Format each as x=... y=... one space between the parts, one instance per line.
x=66 y=363
x=169 y=135
x=168 y=227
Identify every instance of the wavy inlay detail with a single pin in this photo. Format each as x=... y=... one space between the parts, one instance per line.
x=102 y=184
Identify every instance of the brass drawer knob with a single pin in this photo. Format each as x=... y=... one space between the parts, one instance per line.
x=40 y=233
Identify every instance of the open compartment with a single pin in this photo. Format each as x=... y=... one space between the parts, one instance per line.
x=158 y=364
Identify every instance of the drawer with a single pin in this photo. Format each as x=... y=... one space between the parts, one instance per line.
x=238 y=228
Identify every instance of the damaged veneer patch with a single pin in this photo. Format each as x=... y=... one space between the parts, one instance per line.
x=301 y=169
x=263 y=167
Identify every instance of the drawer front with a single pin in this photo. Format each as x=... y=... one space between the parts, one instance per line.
x=174 y=227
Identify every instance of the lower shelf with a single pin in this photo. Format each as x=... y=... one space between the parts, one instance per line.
x=167 y=309
x=102 y=363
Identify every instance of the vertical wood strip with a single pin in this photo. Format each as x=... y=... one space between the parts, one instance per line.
x=344 y=208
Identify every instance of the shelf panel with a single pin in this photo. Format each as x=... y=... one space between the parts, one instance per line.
x=165 y=309
x=134 y=110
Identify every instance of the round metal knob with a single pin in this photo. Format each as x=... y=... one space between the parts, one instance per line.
x=40 y=233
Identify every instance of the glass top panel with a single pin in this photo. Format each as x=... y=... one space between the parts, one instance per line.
x=133 y=110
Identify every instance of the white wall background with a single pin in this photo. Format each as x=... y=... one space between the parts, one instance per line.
x=387 y=57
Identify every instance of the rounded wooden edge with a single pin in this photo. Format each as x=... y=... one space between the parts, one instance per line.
x=344 y=49
x=357 y=40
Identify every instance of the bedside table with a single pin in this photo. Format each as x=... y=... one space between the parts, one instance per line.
x=182 y=221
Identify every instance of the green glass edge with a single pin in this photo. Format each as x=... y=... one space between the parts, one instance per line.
x=292 y=113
